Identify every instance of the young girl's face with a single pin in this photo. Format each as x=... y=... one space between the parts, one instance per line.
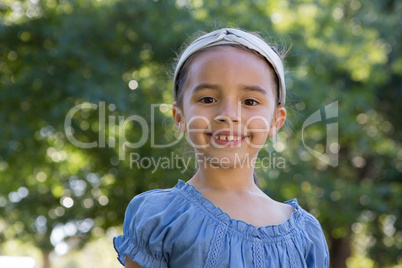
x=229 y=104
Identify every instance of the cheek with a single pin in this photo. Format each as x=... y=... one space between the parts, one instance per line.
x=258 y=124
x=196 y=120
x=198 y=123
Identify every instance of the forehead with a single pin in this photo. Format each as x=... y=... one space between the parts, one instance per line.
x=222 y=51
x=228 y=60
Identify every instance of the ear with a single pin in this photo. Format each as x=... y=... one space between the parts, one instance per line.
x=277 y=122
x=178 y=117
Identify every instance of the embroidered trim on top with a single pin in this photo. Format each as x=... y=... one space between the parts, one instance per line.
x=216 y=245
x=258 y=254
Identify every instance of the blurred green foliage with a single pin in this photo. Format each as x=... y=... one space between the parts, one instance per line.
x=57 y=54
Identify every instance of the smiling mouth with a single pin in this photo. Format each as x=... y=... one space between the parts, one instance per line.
x=227 y=137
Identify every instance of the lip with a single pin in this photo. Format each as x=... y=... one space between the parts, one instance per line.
x=227 y=133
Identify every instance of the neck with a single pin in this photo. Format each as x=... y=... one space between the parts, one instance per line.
x=224 y=178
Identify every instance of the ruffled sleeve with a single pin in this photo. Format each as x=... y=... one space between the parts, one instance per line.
x=317 y=254
x=143 y=234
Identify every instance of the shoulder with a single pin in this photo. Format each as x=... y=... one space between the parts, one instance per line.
x=155 y=207
x=311 y=222
x=153 y=199
x=303 y=218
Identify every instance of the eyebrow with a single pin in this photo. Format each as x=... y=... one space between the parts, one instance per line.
x=217 y=87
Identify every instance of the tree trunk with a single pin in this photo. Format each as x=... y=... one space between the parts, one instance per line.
x=340 y=251
x=46 y=259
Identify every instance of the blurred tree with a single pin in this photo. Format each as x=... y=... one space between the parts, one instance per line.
x=76 y=53
x=55 y=55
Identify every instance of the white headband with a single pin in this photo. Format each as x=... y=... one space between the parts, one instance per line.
x=235 y=36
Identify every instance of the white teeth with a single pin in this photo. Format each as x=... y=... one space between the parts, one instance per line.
x=227 y=138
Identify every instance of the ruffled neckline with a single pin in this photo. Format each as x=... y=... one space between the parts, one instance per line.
x=270 y=231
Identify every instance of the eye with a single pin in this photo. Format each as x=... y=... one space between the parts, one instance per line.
x=250 y=102
x=207 y=100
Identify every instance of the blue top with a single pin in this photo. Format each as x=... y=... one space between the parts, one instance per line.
x=178 y=227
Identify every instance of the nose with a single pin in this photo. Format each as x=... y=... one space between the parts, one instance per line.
x=229 y=112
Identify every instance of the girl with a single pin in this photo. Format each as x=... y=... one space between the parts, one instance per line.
x=229 y=90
